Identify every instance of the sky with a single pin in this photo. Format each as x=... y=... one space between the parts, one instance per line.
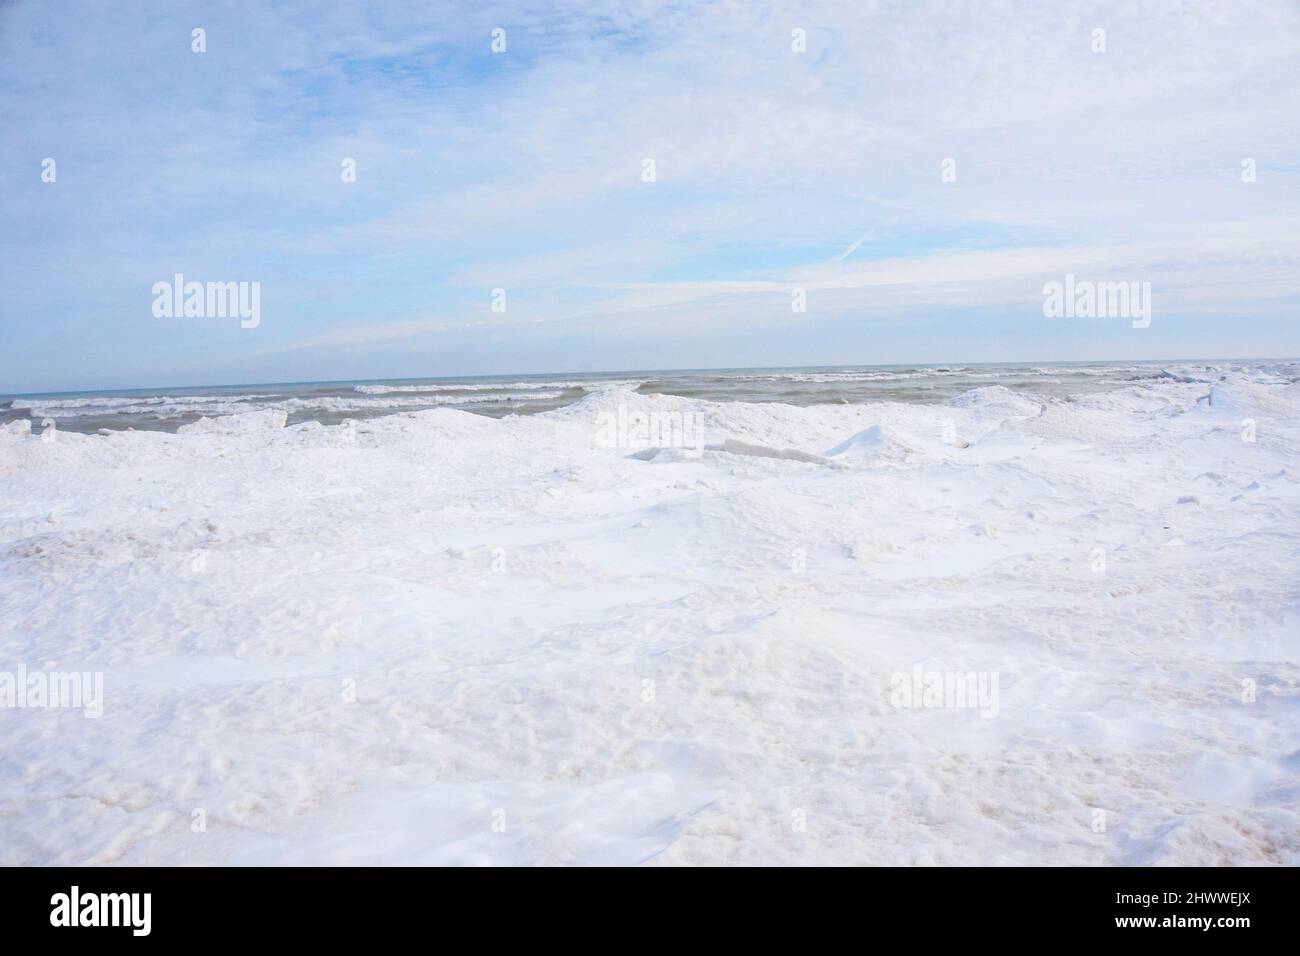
x=919 y=169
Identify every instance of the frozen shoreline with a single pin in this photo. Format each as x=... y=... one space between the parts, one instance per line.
x=330 y=403
x=561 y=653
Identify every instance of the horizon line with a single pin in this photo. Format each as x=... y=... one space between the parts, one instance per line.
x=378 y=379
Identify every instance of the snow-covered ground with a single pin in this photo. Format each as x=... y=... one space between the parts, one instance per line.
x=436 y=637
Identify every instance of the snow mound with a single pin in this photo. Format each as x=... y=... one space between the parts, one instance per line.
x=603 y=399
x=873 y=444
x=1243 y=398
x=996 y=400
x=245 y=423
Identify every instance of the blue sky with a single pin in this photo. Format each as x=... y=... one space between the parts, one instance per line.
x=522 y=170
